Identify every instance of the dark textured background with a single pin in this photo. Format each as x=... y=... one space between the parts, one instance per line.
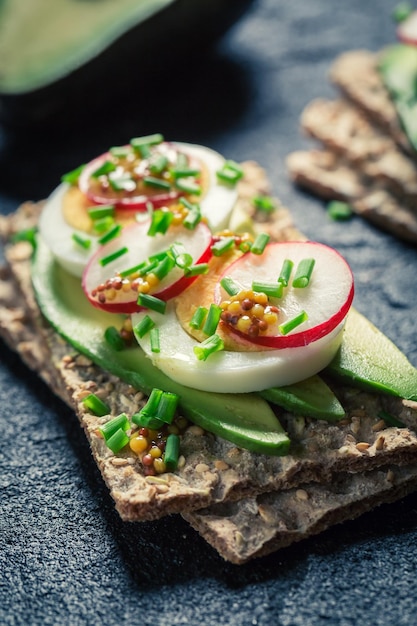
x=65 y=556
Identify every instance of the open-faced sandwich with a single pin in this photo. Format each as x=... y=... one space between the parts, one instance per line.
x=211 y=352
x=365 y=160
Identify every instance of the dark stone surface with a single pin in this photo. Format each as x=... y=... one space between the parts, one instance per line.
x=65 y=556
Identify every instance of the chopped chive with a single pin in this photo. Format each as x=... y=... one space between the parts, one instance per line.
x=135 y=269
x=303 y=273
x=260 y=243
x=96 y=405
x=158 y=164
x=172 y=452
x=289 y=325
x=152 y=402
x=152 y=303
x=402 y=11
x=208 y=346
x=196 y=270
x=273 y=290
x=26 y=234
x=339 y=211
x=147 y=416
x=184 y=172
x=285 y=273
x=230 y=286
x=158 y=183
x=230 y=173
x=182 y=258
x=122 y=183
x=105 y=168
x=188 y=185
x=80 y=240
x=149 y=140
x=154 y=341
x=159 y=256
x=98 y=212
x=264 y=203
x=120 y=152
x=245 y=246
x=103 y=225
x=145 y=325
x=193 y=217
x=160 y=222
x=198 y=317
x=164 y=267
x=114 y=339
x=117 y=441
x=181 y=161
x=223 y=245
x=111 y=234
x=109 y=428
x=73 y=176
x=390 y=419
x=167 y=406
x=113 y=256
x=212 y=320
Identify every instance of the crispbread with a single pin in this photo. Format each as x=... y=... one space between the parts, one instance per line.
x=213 y=471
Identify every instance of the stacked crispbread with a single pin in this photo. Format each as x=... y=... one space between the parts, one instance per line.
x=244 y=504
x=363 y=156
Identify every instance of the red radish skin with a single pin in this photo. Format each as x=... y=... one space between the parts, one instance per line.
x=407 y=30
x=141 y=246
x=261 y=264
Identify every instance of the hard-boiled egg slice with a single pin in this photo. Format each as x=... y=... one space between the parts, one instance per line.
x=57 y=229
x=233 y=372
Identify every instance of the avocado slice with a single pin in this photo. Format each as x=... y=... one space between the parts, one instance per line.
x=50 y=52
x=368 y=359
x=244 y=419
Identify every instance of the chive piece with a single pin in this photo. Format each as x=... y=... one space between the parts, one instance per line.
x=189 y=185
x=147 y=417
x=167 y=406
x=111 y=234
x=245 y=246
x=390 y=419
x=164 y=267
x=96 y=405
x=158 y=183
x=117 y=441
x=181 y=160
x=144 y=326
x=103 y=225
x=402 y=11
x=230 y=286
x=303 y=273
x=230 y=173
x=120 y=152
x=113 y=256
x=285 y=273
x=184 y=172
x=151 y=302
x=135 y=269
x=182 y=258
x=223 y=245
x=273 y=290
x=114 y=339
x=122 y=183
x=212 y=320
x=158 y=164
x=73 y=176
x=264 y=203
x=98 y=212
x=208 y=346
x=160 y=222
x=26 y=234
x=196 y=270
x=104 y=169
x=198 y=317
x=260 y=243
x=154 y=341
x=109 y=428
x=289 y=325
x=139 y=143
x=193 y=217
x=172 y=452
x=80 y=240
x=339 y=211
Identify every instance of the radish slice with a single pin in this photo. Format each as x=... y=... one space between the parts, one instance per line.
x=326 y=300
x=233 y=372
x=120 y=295
x=407 y=30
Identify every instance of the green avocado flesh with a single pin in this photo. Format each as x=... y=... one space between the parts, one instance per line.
x=244 y=419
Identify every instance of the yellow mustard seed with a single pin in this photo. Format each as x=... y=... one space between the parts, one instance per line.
x=152 y=280
x=257 y=311
x=260 y=298
x=234 y=307
x=244 y=323
x=138 y=443
x=155 y=452
x=159 y=465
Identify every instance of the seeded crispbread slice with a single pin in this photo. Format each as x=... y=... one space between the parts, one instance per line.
x=212 y=470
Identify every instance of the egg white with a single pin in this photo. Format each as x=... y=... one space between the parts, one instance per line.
x=216 y=206
x=233 y=372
